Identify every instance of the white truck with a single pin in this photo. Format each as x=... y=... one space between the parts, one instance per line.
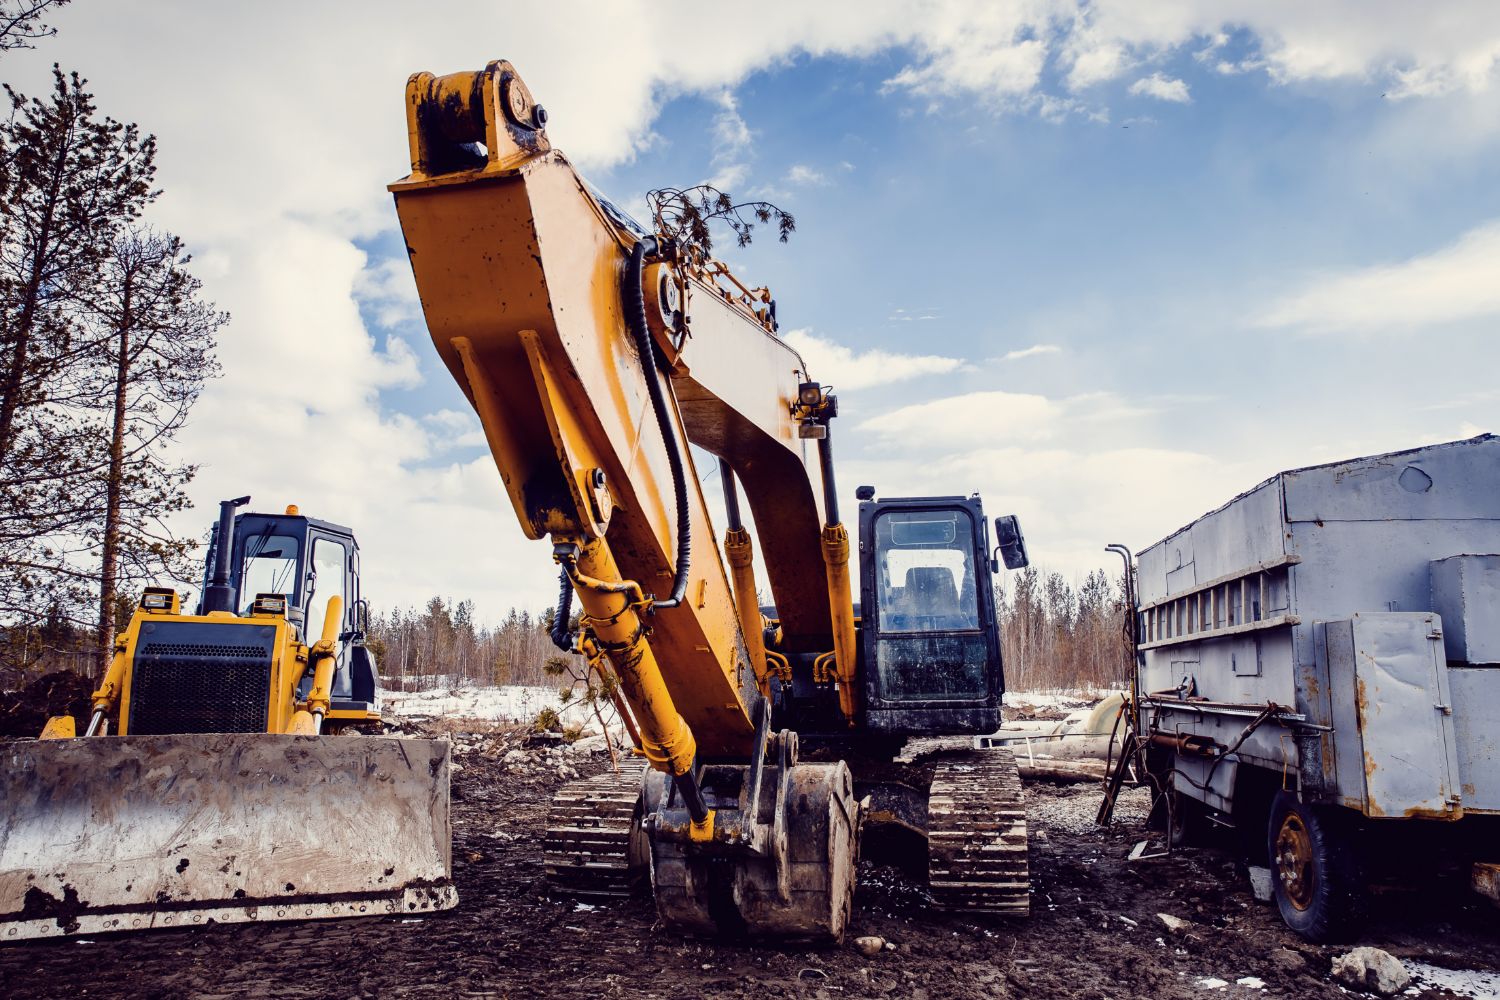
x=1319 y=668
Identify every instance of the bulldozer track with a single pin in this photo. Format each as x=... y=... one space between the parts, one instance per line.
x=587 y=850
x=976 y=834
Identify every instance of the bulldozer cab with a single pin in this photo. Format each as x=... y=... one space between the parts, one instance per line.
x=304 y=561
x=929 y=636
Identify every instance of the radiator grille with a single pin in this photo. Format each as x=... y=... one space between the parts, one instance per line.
x=201 y=687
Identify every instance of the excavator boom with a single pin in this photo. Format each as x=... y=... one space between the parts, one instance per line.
x=594 y=354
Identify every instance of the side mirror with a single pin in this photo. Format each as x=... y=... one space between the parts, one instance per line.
x=1010 y=543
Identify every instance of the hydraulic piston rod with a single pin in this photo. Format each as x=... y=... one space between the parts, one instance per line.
x=612 y=610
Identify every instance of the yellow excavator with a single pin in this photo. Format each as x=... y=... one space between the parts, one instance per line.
x=210 y=785
x=594 y=353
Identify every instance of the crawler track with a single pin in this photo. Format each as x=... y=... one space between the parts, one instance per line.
x=592 y=849
x=976 y=818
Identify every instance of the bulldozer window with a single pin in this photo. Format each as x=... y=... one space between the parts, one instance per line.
x=270 y=568
x=925 y=566
x=327 y=578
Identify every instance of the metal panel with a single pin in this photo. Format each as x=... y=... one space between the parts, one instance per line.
x=1244 y=532
x=1404 y=715
x=123 y=832
x=1347 y=786
x=1458 y=480
x=1466 y=592
x=1476 y=724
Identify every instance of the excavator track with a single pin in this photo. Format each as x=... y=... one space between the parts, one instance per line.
x=594 y=848
x=976 y=834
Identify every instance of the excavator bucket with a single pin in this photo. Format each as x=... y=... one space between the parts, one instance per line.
x=135 y=832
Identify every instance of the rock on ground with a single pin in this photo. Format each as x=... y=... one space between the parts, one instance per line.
x=1371 y=969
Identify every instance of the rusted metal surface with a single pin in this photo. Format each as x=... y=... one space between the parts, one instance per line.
x=1395 y=726
x=1316 y=590
x=135 y=832
x=790 y=878
x=1485 y=880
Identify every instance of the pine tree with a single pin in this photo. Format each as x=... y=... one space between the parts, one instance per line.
x=156 y=341
x=70 y=182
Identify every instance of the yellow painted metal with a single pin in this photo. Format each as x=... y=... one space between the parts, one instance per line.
x=323 y=655
x=519 y=266
x=60 y=727
x=702 y=832
x=288 y=663
x=612 y=609
x=835 y=540
x=288 y=666
x=112 y=687
x=519 y=276
x=740 y=552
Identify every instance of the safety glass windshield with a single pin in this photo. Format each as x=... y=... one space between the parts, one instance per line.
x=925 y=570
x=270 y=567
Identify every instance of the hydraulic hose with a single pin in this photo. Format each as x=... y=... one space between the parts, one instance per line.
x=635 y=317
x=562 y=636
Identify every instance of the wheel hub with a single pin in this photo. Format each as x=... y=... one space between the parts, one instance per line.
x=1294 y=861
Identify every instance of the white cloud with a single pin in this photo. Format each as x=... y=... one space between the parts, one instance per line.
x=981 y=418
x=1163 y=88
x=271 y=189
x=804 y=175
x=732 y=141
x=454 y=429
x=1030 y=352
x=847 y=370
x=389 y=291
x=1458 y=282
x=975 y=417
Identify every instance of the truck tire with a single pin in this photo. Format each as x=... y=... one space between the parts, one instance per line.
x=1188 y=824
x=1315 y=870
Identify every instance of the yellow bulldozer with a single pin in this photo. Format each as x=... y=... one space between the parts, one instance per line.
x=595 y=352
x=212 y=783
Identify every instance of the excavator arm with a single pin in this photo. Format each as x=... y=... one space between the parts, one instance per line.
x=534 y=291
x=593 y=355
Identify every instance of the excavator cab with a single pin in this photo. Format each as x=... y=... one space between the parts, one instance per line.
x=930 y=639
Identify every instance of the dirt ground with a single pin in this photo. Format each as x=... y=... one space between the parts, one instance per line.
x=1094 y=933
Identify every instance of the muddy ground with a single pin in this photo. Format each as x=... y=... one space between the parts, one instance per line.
x=1094 y=932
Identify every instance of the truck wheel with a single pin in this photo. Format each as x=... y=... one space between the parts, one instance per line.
x=1314 y=870
x=1188 y=826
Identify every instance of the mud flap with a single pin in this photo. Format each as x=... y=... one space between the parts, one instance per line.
x=135 y=832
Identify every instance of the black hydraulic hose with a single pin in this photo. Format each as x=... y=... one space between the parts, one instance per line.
x=562 y=635
x=731 y=498
x=830 y=490
x=635 y=318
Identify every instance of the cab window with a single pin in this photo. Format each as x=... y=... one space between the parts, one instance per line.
x=327 y=578
x=270 y=567
x=925 y=571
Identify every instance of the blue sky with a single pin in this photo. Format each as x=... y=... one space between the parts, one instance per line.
x=1106 y=263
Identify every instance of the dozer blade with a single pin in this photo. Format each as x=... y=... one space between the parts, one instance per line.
x=135 y=832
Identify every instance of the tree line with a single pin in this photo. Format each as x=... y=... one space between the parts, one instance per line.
x=105 y=343
x=1054 y=636
x=442 y=646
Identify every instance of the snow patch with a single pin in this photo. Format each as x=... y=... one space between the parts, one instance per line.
x=1460 y=982
x=511 y=703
